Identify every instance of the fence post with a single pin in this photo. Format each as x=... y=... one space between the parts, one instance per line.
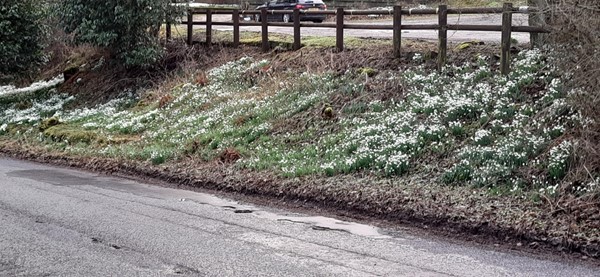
x=442 y=36
x=296 y=18
x=168 y=30
x=208 y=27
x=397 y=30
x=236 y=27
x=339 y=29
x=190 y=27
x=265 y=29
x=505 y=41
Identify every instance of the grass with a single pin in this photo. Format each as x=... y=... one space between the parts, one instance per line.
x=70 y=134
x=277 y=40
x=483 y=3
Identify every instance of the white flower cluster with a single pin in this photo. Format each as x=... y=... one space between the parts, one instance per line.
x=590 y=187
x=9 y=90
x=31 y=108
x=549 y=190
x=492 y=164
x=559 y=158
x=107 y=111
x=518 y=130
x=35 y=110
x=437 y=110
x=440 y=110
x=482 y=137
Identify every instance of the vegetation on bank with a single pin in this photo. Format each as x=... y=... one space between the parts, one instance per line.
x=466 y=125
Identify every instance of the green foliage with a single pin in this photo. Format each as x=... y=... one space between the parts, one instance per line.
x=22 y=33
x=458 y=174
x=48 y=123
x=128 y=28
x=69 y=134
x=559 y=160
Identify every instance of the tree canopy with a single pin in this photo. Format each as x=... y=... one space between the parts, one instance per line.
x=128 y=28
x=22 y=34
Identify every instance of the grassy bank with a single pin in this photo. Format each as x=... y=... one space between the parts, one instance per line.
x=481 y=128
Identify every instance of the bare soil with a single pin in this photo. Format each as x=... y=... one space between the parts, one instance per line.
x=99 y=78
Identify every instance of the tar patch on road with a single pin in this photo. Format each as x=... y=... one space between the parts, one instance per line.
x=54 y=177
x=242 y=211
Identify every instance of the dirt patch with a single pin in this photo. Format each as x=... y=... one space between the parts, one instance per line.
x=469 y=214
x=318 y=59
x=229 y=155
x=95 y=77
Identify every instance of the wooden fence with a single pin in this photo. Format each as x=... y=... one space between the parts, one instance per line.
x=397 y=13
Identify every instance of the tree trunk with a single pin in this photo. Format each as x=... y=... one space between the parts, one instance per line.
x=539 y=18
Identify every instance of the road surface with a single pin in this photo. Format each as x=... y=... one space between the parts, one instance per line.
x=456 y=36
x=59 y=222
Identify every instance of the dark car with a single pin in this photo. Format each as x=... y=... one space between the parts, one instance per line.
x=303 y=5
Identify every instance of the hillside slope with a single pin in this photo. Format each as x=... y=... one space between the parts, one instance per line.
x=464 y=148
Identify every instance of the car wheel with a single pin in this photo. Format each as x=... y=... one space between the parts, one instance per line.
x=286 y=18
x=257 y=18
x=318 y=21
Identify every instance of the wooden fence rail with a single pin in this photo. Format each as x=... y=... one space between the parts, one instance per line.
x=397 y=12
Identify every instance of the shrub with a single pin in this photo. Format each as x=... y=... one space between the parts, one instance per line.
x=575 y=39
x=128 y=28
x=22 y=33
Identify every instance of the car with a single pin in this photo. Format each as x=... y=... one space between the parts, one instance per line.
x=303 y=5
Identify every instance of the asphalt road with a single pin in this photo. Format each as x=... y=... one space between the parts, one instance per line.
x=59 y=222
x=456 y=36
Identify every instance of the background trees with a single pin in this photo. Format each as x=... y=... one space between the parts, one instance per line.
x=129 y=29
x=22 y=35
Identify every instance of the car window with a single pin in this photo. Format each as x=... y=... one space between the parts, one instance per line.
x=310 y=2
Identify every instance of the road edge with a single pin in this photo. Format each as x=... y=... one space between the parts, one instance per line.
x=439 y=225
